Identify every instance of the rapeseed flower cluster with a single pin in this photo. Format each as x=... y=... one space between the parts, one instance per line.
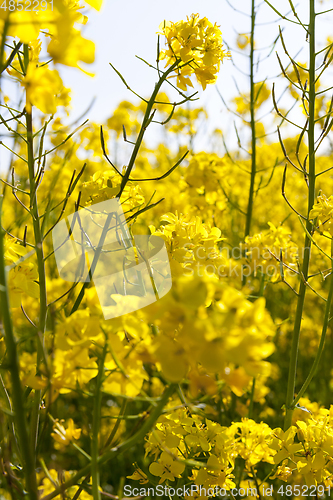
x=197 y=43
x=185 y=443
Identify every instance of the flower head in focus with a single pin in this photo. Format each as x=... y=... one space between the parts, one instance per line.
x=197 y=44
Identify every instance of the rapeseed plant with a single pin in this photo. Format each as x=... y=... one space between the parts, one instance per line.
x=203 y=378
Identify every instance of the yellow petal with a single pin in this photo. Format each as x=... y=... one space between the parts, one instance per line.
x=156 y=469
x=96 y=4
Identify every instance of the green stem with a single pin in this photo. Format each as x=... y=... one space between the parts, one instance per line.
x=93 y=264
x=322 y=338
x=116 y=425
x=145 y=122
x=307 y=243
x=250 y=414
x=2 y=46
x=14 y=370
x=95 y=428
x=5 y=396
x=261 y=293
x=41 y=275
x=253 y=126
x=125 y=446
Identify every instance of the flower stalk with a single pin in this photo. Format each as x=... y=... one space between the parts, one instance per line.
x=253 y=126
x=41 y=271
x=319 y=352
x=145 y=122
x=12 y=363
x=95 y=428
x=307 y=243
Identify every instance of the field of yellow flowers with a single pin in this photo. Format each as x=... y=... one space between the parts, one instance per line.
x=208 y=372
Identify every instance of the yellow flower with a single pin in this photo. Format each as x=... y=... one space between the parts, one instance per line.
x=23 y=276
x=166 y=468
x=171 y=355
x=283 y=472
x=216 y=473
x=42 y=88
x=283 y=443
x=191 y=242
x=197 y=44
x=312 y=467
x=63 y=436
x=200 y=382
x=261 y=94
x=69 y=47
x=129 y=379
x=264 y=249
x=71 y=367
x=35 y=46
x=125 y=115
x=237 y=379
x=243 y=41
x=186 y=120
x=253 y=441
x=96 y=4
x=323 y=210
x=139 y=475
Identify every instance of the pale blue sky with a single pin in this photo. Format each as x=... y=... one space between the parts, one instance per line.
x=124 y=29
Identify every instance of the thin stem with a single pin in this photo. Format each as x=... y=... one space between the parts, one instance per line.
x=253 y=126
x=322 y=338
x=307 y=244
x=145 y=122
x=93 y=264
x=95 y=428
x=261 y=293
x=2 y=46
x=279 y=14
x=41 y=274
x=14 y=370
x=119 y=418
x=250 y=414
